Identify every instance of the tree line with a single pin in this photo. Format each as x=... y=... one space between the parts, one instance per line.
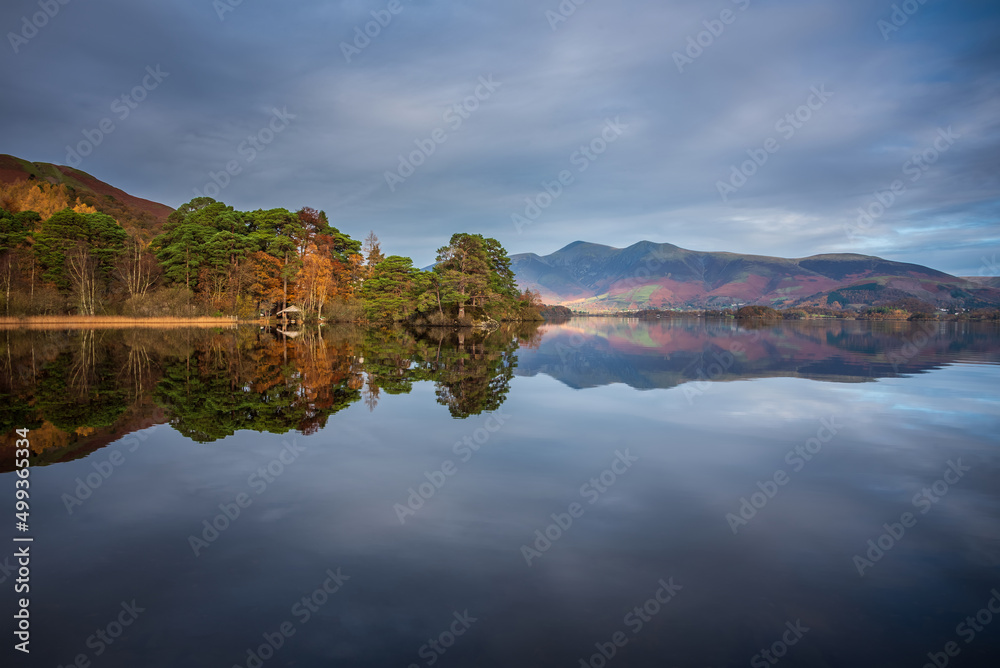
x=211 y=259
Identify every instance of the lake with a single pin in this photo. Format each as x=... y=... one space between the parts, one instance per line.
x=595 y=492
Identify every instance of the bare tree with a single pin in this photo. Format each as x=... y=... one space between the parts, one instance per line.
x=7 y=266
x=372 y=250
x=82 y=268
x=136 y=268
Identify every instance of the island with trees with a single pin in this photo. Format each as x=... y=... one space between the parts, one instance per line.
x=212 y=260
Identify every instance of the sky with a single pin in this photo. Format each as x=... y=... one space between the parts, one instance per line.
x=784 y=127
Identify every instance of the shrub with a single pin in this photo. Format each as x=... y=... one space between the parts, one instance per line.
x=758 y=313
x=341 y=310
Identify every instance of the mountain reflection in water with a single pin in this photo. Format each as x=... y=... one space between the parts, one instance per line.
x=752 y=471
x=82 y=389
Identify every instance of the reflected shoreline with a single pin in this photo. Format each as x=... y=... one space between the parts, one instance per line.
x=79 y=390
x=667 y=353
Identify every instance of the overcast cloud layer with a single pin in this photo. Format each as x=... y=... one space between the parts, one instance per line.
x=686 y=114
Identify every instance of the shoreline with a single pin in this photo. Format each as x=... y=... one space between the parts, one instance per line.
x=114 y=321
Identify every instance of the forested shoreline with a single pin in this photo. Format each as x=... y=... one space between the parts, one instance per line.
x=63 y=257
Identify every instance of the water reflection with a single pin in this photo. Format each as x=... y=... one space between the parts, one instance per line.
x=374 y=433
x=663 y=354
x=80 y=390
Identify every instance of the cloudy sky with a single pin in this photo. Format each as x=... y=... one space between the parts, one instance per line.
x=648 y=110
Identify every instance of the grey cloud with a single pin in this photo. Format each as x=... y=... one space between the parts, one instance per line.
x=658 y=182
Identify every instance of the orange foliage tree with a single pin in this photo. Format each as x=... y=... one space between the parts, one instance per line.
x=266 y=281
x=315 y=281
x=39 y=196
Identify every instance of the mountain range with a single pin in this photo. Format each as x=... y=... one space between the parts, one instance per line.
x=592 y=277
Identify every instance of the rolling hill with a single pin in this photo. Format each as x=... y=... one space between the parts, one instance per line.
x=991 y=281
x=133 y=213
x=593 y=277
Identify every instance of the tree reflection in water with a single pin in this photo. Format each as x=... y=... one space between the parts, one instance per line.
x=79 y=390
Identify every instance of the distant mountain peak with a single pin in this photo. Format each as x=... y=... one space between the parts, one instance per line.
x=577 y=245
x=646 y=274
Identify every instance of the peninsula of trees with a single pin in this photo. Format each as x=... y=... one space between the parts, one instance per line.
x=63 y=257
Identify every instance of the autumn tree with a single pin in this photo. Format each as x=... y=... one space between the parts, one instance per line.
x=41 y=197
x=315 y=281
x=531 y=298
x=340 y=281
x=356 y=270
x=207 y=246
x=265 y=279
x=278 y=232
x=312 y=224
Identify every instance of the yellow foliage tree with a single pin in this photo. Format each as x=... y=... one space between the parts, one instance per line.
x=315 y=280
x=41 y=197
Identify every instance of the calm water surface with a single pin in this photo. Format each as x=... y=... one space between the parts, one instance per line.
x=669 y=493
